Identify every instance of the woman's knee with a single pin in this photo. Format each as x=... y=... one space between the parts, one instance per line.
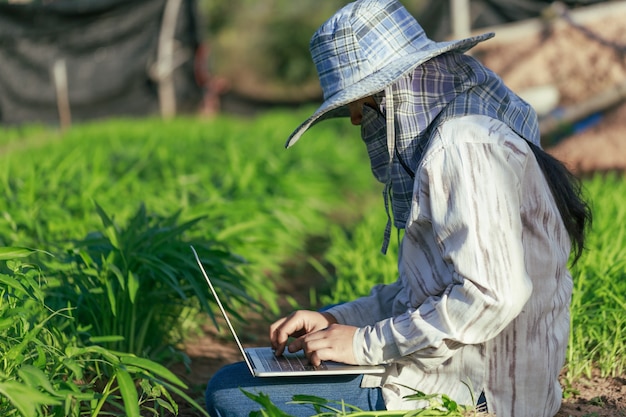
x=223 y=393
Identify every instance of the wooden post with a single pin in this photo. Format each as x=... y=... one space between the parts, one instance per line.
x=460 y=18
x=166 y=60
x=59 y=76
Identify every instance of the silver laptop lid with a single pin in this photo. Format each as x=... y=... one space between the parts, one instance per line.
x=221 y=307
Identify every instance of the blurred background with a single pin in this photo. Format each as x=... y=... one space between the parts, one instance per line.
x=65 y=61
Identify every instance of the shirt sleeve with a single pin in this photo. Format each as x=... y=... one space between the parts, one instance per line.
x=368 y=310
x=469 y=205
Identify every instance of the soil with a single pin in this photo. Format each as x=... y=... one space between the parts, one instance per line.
x=580 y=67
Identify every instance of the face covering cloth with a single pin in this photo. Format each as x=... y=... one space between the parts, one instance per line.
x=399 y=131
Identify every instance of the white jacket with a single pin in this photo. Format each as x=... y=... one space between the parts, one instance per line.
x=483 y=291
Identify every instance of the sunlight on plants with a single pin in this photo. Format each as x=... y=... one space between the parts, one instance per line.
x=45 y=370
x=98 y=286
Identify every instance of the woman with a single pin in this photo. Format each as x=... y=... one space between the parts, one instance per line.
x=481 y=304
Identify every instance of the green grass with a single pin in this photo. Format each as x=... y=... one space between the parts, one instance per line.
x=111 y=209
x=354 y=260
x=260 y=198
x=598 y=337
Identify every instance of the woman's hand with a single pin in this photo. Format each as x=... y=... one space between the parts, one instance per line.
x=317 y=334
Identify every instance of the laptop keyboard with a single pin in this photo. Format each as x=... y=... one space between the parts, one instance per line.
x=288 y=363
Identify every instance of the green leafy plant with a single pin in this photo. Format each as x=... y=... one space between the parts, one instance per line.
x=139 y=285
x=45 y=370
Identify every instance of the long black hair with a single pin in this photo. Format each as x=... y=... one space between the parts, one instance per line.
x=567 y=191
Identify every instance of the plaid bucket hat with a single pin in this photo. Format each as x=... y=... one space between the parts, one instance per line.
x=364 y=48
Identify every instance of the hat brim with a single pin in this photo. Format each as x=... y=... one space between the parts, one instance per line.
x=334 y=106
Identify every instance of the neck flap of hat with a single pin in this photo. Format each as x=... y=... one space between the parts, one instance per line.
x=448 y=86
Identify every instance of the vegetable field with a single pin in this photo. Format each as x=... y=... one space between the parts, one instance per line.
x=98 y=286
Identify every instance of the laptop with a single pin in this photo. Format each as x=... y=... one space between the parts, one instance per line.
x=262 y=361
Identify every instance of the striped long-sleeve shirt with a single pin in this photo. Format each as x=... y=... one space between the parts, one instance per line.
x=482 y=299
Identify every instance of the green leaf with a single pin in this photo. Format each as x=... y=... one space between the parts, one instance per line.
x=110 y=356
x=129 y=392
x=26 y=399
x=449 y=403
x=265 y=401
x=35 y=378
x=185 y=397
x=172 y=408
x=13 y=283
x=106 y=339
x=153 y=367
x=109 y=225
x=12 y=252
x=111 y=297
x=133 y=286
x=74 y=366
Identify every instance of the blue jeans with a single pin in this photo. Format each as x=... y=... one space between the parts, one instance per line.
x=225 y=399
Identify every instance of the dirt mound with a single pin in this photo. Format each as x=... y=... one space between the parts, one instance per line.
x=582 y=56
